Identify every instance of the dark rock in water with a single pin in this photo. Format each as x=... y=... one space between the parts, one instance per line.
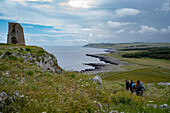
x=108 y=59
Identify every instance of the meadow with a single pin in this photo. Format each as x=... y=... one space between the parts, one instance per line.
x=45 y=92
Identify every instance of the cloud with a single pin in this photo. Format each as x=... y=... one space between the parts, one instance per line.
x=120 y=31
x=126 y=12
x=165 y=6
x=32 y=1
x=147 y=29
x=132 y=32
x=91 y=35
x=28 y=26
x=77 y=4
x=165 y=30
x=43 y=6
x=151 y=30
x=117 y=24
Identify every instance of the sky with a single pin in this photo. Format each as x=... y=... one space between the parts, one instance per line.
x=79 y=22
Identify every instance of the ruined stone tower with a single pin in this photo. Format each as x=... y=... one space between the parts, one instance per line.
x=15 y=34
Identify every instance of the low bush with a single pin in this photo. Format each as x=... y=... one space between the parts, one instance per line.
x=30 y=73
x=3 y=67
x=12 y=57
x=28 y=49
x=127 y=98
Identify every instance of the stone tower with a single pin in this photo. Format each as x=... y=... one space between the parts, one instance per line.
x=15 y=34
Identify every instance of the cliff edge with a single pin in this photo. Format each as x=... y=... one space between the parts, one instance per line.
x=32 y=55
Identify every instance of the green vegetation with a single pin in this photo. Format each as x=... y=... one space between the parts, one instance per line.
x=27 y=49
x=30 y=73
x=158 y=53
x=148 y=75
x=127 y=45
x=75 y=92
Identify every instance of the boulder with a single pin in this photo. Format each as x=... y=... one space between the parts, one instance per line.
x=97 y=79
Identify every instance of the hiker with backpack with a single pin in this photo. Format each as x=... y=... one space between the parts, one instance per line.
x=131 y=86
x=139 y=89
x=127 y=85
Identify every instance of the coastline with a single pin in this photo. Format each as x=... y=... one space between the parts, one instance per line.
x=111 y=64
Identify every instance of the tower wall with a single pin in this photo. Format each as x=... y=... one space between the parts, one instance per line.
x=15 y=34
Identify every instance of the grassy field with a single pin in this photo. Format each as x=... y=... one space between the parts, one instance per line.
x=47 y=92
x=146 y=75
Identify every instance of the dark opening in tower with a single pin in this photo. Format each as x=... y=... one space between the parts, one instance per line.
x=13 y=40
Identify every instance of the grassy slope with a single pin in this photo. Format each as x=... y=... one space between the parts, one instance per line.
x=69 y=91
x=146 y=69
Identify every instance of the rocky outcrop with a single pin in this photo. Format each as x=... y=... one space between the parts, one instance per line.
x=48 y=63
x=6 y=100
x=45 y=60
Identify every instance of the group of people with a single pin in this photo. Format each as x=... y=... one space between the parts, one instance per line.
x=135 y=87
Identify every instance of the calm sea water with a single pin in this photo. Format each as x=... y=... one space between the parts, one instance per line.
x=72 y=58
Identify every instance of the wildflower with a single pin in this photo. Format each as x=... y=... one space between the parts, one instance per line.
x=95 y=101
x=22 y=96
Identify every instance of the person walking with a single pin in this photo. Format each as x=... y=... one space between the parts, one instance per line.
x=127 y=85
x=139 y=91
x=131 y=86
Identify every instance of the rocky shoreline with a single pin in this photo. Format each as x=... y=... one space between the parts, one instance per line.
x=111 y=64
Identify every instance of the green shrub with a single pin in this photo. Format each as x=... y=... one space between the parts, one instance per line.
x=46 y=74
x=30 y=73
x=3 y=67
x=12 y=57
x=28 y=49
x=8 y=53
x=127 y=98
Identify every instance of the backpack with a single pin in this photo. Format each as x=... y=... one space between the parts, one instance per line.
x=139 y=88
x=133 y=85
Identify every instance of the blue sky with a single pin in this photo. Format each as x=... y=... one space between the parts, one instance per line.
x=79 y=22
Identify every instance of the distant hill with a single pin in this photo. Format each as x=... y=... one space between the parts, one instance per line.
x=126 y=45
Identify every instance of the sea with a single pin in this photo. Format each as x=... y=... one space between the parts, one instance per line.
x=73 y=58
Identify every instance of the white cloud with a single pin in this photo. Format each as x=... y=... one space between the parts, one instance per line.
x=132 y=32
x=117 y=24
x=28 y=26
x=126 y=12
x=23 y=2
x=78 y=4
x=165 y=6
x=165 y=30
x=91 y=35
x=120 y=31
x=32 y=0
x=147 y=29
x=150 y=30
x=43 y=6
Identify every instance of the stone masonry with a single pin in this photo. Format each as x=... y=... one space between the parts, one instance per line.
x=15 y=34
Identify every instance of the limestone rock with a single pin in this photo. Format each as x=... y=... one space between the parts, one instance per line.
x=97 y=79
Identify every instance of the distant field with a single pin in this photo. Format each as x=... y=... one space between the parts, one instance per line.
x=148 y=70
x=147 y=75
x=127 y=45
